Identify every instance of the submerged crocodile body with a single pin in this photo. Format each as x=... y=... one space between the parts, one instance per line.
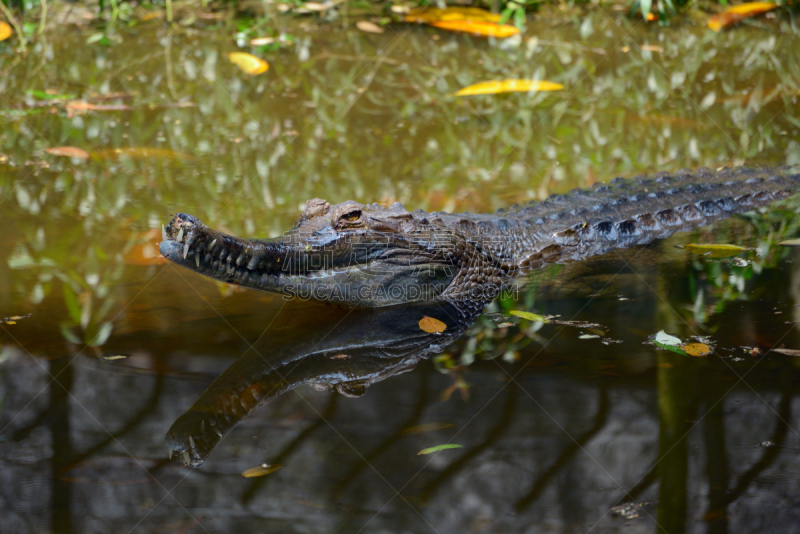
x=368 y=255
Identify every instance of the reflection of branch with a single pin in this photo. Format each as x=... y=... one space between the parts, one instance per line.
x=494 y=434
x=150 y=406
x=772 y=452
x=293 y=445
x=370 y=77
x=569 y=451
x=422 y=401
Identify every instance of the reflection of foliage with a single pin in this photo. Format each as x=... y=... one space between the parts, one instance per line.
x=340 y=121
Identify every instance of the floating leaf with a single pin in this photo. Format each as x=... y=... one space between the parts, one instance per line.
x=440 y=448
x=114 y=357
x=696 y=349
x=340 y=357
x=431 y=325
x=483 y=29
x=787 y=352
x=249 y=63
x=261 y=470
x=734 y=14
x=589 y=336
x=261 y=41
x=427 y=427
x=715 y=251
x=68 y=152
x=430 y=15
x=5 y=30
x=666 y=339
x=369 y=27
x=529 y=316
x=790 y=243
x=508 y=86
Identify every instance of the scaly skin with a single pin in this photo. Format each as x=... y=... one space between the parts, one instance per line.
x=367 y=255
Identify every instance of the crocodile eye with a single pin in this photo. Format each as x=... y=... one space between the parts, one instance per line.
x=353 y=216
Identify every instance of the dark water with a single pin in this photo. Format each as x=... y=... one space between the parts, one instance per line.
x=555 y=430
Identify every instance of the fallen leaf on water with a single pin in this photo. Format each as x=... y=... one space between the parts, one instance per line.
x=589 y=336
x=508 y=86
x=340 y=357
x=68 y=152
x=316 y=6
x=427 y=427
x=13 y=319
x=5 y=30
x=140 y=153
x=261 y=470
x=483 y=29
x=790 y=243
x=734 y=14
x=431 y=15
x=529 y=316
x=113 y=358
x=714 y=251
x=249 y=63
x=431 y=325
x=440 y=448
x=651 y=48
x=696 y=349
x=666 y=339
x=787 y=352
x=369 y=27
x=261 y=41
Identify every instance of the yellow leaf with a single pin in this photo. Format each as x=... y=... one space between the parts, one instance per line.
x=529 y=316
x=696 y=349
x=508 y=86
x=5 y=30
x=431 y=325
x=368 y=27
x=734 y=14
x=483 y=29
x=68 y=152
x=715 y=251
x=261 y=470
x=431 y=15
x=249 y=63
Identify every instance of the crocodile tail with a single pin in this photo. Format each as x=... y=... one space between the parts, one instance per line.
x=624 y=213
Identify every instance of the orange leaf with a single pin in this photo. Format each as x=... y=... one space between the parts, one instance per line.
x=431 y=325
x=696 y=349
x=483 y=29
x=144 y=254
x=734 y=14
x=5 y=30
x=68 y=152
x=494 y=87
x=431 y=15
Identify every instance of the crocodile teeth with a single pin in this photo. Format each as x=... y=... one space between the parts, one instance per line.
x=211 y=246
x=218 y=432
x=197 y=259
x=163 y=233
x=170 y=453
x=180 y=235
x=186 y=458
x=191 y=442
x=203 y=426
x=185 y=249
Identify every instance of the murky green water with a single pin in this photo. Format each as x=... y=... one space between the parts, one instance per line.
x=556 y=430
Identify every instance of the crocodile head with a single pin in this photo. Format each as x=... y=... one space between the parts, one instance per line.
x=346 y=253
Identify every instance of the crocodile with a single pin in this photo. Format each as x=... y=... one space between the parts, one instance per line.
x=370 y=256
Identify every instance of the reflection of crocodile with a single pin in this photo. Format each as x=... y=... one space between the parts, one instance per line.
x=361 y=348
x=373 y=256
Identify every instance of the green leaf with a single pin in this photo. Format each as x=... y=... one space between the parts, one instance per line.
x=529 y=316
x=670 y=348
x=440 y=448
x=102 y=336
x=41 y=95
x=73 y=306
x=646 y=4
